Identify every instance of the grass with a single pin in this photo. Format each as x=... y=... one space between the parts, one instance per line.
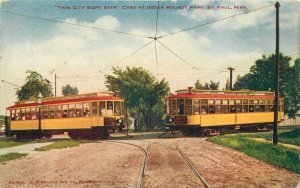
x=279 y=156
x=286 y=135
x=11 y=142
x=62 y=144
x=11 y=156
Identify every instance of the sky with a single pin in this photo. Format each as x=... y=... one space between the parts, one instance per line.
x=80 y=41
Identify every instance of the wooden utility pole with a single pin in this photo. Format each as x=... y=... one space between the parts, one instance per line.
x=275 y=126
x=231 y=69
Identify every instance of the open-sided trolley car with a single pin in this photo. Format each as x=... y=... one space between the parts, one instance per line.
x=82 y=116
x=210 y=111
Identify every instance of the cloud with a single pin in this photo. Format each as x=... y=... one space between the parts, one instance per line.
x=238 y=22
x=105 y=22
x=290 y=15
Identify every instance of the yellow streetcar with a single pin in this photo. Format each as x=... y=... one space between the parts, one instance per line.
x=82 y=116
x=210 y=111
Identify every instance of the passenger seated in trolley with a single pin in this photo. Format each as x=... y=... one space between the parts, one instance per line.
x=65 y=115
x=180 y=107
x=86 y=112
x=58 y=114
x=33 y=116
x=13 y=117
x=203 y=111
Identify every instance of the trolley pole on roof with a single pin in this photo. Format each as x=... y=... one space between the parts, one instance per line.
x=275 y=127
x=11 y=84
x=231 y=69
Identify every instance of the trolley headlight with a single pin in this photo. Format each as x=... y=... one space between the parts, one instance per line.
x=119 y=120
x=171 y=120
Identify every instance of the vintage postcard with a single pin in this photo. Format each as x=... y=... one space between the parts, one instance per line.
x=149 y=93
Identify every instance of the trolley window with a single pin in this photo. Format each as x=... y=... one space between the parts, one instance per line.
x=65 y=110
x=117 y=109
x=51 y=112
x=225 y=107
x=211 y=106
x=18 y=115
x=245 y=108
x=33 y=112
x=232 y=106
x=58 y=112
x=218 y=108
x=109 y=108
x=267 y=108
x=251 y=105
x=204 y=106
x=86 y=109
x=256 y=105
x=122 y=109
x=78 y=111
x=196 y=107
x=172 y=104
x=180 y=106
x=245 y=101
x=71 y=110
x=238 y=103
x=102 y=108
x=262 y=106
x=45 y=112
x=27 y=114
x=94 y=109
x=13 y=114
x=188 y=106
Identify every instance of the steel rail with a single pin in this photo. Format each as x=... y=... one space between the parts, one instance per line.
x=143 y=167
x=193 y=167
x=189 y=162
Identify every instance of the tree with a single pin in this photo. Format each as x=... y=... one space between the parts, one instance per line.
x=69 y=90
x=34 y=85
x=207 y=86
x=227 y=84
x=144 y=95
x=261 y=78
x=198 y=85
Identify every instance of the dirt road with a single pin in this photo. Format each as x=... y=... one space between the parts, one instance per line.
x=107 y=164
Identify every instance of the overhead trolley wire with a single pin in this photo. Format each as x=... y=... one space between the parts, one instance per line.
x=74 y=24
x=120 y=61
x=214 y=21
x=193 y=67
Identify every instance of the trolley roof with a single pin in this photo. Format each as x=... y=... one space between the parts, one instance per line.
x=66 y=99
x=206 y=94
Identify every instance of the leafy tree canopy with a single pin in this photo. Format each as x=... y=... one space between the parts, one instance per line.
x=262 y=78
x=69 y=90
x=144 y=95
x=207 y=86
x=34 y=85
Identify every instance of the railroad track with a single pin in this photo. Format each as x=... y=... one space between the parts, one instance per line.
x=192 y=166
x=144 y=162
x=143 y=166
x=189 y=162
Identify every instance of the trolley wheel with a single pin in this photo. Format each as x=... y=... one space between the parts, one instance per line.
x=74 y=135
x=104 y=133
x=206 y=132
